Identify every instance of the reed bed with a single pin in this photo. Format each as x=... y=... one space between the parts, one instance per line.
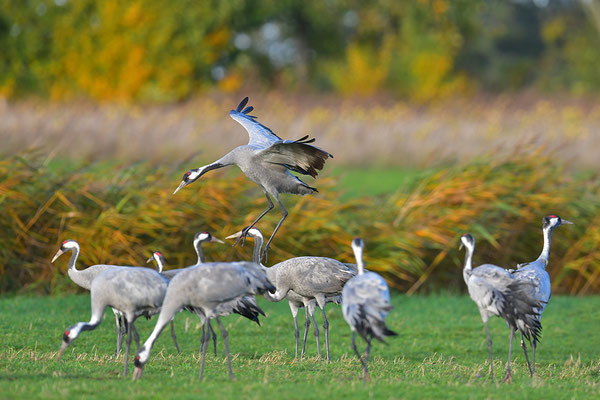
x=356 y=131
x=120 y=213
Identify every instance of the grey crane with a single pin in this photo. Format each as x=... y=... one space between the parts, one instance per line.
x=365 y=304
x=267 y=161
x=84 y=278
x=295 y=301
x=158 y=257
x=497 y=292
x=310 y=278
x=134 y=291
x=245 y=306
x=205 y=288
x=535 y=272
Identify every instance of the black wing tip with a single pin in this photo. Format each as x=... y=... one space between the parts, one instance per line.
x=242 y=104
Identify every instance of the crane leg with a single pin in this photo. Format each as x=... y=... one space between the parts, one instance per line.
x=203 y=348
x=119 y=335
x=322 y=303
x=357 y=353
x=226 y=341
x=130 y=327
x=174 y=337
x=508 y=376
x=366 y=376
x=136 y=336
x=312 y=316
x=214 y=337
x=296 y=334
x=489 y=341
x=246 y=229
x=306 y=326
x=524 y=346
x=284 y=214
x=533 y=345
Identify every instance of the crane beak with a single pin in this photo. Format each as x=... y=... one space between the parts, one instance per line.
x=214 y=239
x=149 y=260
x=235 y=235
x=62 y=349
x=137 y=373
x=461 y=246
x=564 y=221
x=181 y=185
x=58 y=254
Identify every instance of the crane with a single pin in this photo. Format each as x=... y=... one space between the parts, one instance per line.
x=267 y=161
x=205 y=288
x=295 y=301
x=133 y=291
x=365 y=304
x=535 y=272
x=84 y=279
x=497 y=292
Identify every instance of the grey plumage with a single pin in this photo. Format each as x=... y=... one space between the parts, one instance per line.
x=535 y=272
x=295 y=301
x=365 y=304
x=305 y=280
x=84 y=278
x=497 y=292
x=134 y=291
x=204 y=288
x=267 y=161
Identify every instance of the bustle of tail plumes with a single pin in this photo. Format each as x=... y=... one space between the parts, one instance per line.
x=523 y=310
x=248 y=309
x=369 y=321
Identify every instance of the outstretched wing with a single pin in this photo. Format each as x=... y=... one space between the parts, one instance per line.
x=297 y=156
x=259 y=134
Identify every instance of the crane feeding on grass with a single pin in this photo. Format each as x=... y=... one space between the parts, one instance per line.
x=205 y=289
x=295 y=301
x=133 y=291
x=535 y=272
x=267 y=161
x=497 y=292
x=304 y=281
x=365 y=304
x=84 y=279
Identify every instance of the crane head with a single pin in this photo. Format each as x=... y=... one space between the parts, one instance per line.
x=64 y=247
x=141 y=358
x=467 y=241
x=194 y=174
x=553 y=221
x=206 y=237
x=68 y=336
x=253 y=233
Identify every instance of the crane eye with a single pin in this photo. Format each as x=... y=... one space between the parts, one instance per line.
x=186 y=176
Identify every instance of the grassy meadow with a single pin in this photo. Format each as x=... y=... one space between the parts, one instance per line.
x=440 y=351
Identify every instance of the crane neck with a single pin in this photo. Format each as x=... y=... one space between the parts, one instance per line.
x=468 y=266
x=358 y=255
x=199 y=252
x=545 y=254
x=258 y=242
x=73 y=259
x=159 y=266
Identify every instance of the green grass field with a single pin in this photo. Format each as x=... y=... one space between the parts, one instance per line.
x=441 y=351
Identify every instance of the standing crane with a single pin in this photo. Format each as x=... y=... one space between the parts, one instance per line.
x=310 y=278
x=295 y=301
x=133 y=291
x=205 y=288
x=497 y=292
x=365 y=304
x=84 y=279
x=535 y=272
x=267 y=161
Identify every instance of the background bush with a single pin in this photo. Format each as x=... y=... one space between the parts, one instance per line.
x=160 y=50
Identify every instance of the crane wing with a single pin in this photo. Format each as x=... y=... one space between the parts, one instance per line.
x=297 y=156
x=258 y=134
